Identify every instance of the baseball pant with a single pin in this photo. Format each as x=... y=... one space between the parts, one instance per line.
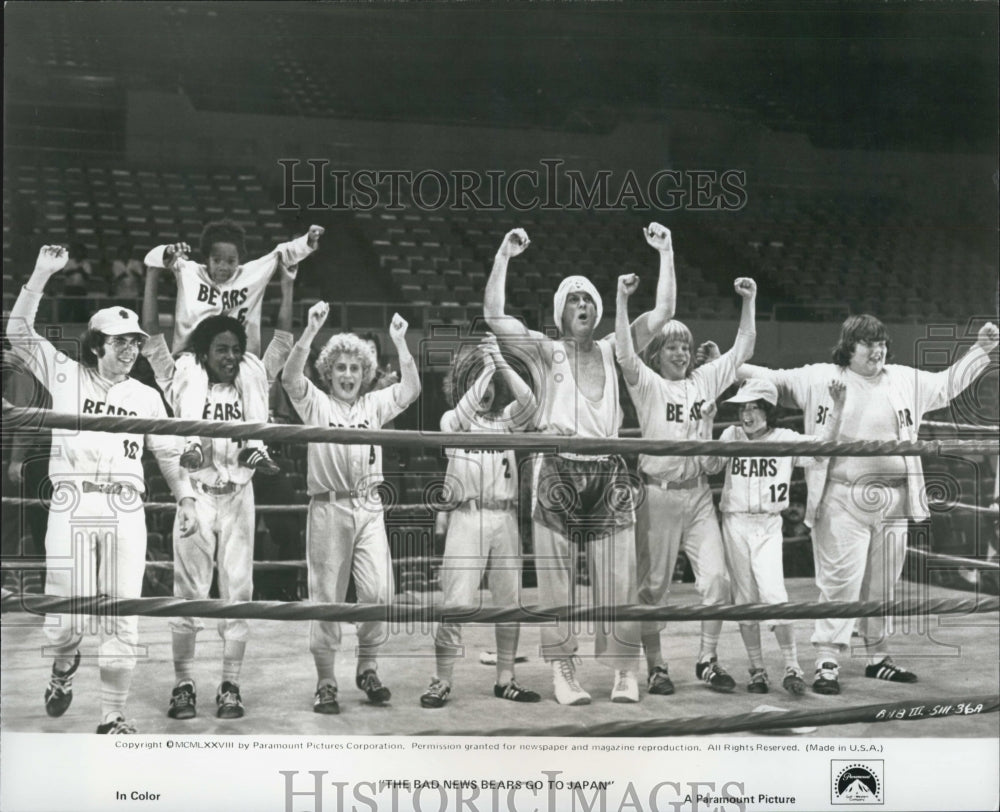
x=666 y=520
x=345 y=538
x=859 y=546
x=612 y=576
x=753 y=544
x=225 y=533
x=477 y=540
x=95 y=545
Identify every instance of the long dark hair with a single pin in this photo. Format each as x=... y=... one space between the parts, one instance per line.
x=860 y=329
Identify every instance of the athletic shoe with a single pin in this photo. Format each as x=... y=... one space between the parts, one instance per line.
x=659 y=681
x=568 y=690
x=715 y=676
x=827 y=681
x=436 y=694
x=259 y=460
x=192 y=459
x=377 y=693
x=759 y=683
x=59 y=694
x=116 y=726
x=793 y=682
x=229 y=701
x=182 y=701
x=887 y=671
x=515 y=693
x=326 y=699
x=625 y=688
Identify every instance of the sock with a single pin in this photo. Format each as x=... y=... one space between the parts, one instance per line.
x=324 y=666
x=232 y=660
x=654 y=654
x=710 y=631
x=825 y=654
x=506 y=636
x=785 y=635
x=115 y=683
x=751 y=639
x=876 y=658
x=62 y=664
x=445 y=656
x=183 y=644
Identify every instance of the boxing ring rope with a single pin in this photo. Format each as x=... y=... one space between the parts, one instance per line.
x=400 y=612
x=25 y=418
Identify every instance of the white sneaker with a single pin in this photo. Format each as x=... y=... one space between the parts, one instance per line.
x=626 y=687
x=568 y=690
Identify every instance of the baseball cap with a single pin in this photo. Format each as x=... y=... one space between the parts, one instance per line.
x=756 y=389
x=116 y=321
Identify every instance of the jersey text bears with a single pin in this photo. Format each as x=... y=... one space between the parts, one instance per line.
x=100 y=407
x=226 y=299
x=752 y=466
x=222 y=411
x=675 y=412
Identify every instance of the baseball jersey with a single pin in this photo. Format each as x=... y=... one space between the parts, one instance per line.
x=566 y=410
x=912 y=393
x=671 y=410
x=222 y=402
x=241 y=297
x=483 y=473
x=758 y=484
x=868 y=415
x=96 y=456
x=338 y=467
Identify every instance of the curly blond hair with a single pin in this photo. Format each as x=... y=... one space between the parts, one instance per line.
x=346 y=344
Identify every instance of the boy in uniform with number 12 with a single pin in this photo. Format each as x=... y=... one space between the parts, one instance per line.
x=755 y=493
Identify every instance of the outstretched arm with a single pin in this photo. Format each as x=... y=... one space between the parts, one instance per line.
x=746 y=336
x=460 y=418
x=293 y=377
x=624 y=348
x=648 y=324
x=409 y=379
x=172 y=257
x=522 y=410
x=504 y=327
x=280 y=346
x=21 y=324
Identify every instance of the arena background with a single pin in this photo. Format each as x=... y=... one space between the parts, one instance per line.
x=868 y=139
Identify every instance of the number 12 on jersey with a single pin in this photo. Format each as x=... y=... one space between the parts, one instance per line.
x=779 y=492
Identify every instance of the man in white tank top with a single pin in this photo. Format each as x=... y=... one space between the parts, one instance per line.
x=859 y=507
x=581 y=499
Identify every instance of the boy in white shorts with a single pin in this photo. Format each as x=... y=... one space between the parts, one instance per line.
x=753 y=497
x=482 y=527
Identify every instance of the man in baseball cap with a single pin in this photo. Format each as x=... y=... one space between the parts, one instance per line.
x=116 y=321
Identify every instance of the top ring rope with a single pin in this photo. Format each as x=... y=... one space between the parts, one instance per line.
x=19 y=417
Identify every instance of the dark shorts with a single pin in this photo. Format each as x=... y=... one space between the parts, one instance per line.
x=584 y=499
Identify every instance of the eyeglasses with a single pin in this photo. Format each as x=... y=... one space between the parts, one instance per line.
x=123 y=342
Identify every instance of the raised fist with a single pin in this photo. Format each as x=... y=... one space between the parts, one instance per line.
x=627 y=284
x=51 y=259
x=745 y=287
x=989 y=336
x=707 y=351
x=173 y=254
x=658 y=236
x=317 y=315
x=838 y=393
x=397 y=328
x=315 y=232
x=514 y=243
x=489 y=346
